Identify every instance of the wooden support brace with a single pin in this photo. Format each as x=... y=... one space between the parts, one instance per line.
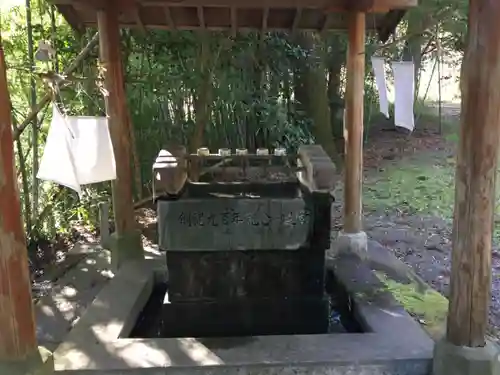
x=168 y=16
x=265 y=17
x=138 y=19
x=201 y=17
x=234 y=21
x=296 y=20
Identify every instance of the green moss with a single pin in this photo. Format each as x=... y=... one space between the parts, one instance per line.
x=428 y=307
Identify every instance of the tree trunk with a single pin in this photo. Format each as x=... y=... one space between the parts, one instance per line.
x=203 y=99
x=476 y=172
x=412 y=50
x=336 y=61
x=312 y=87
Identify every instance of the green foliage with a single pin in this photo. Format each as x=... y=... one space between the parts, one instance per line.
x=416 y=188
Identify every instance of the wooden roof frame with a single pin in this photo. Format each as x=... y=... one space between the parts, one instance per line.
x=239 y=15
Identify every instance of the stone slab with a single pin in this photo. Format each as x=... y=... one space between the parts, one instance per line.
x=233 y=224
x=392 y=368
x=66 y=301
x=374 y=306
x=216 y=275
x=332 y=354
x=393 y=346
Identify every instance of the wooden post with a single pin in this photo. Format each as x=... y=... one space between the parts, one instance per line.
x=116 y=108
x=475 y=178
x=353 y=132
x=17 y=321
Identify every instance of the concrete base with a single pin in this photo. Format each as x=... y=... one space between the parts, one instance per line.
x=40 y=363
x=125 y=247
x=457 y=360
x=352 y=243
x=99 y=343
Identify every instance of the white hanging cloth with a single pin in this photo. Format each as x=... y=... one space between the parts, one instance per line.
x=380 y=79
x=78 y=151
x=404 y=92
x=92 y=149
x=57 y=164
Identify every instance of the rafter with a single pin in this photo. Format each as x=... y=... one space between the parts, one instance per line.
x=136 y=11
x=331 y=5
x=168 y=16
x=234 y=21
x=296 y=20
x=201 y=17
x=326 y=23
x=265 y=18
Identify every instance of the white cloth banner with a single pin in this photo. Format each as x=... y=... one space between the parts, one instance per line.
x=78 y=151
x=57 y=164
x=404 y=91
x=92 y=149
x=378 y=66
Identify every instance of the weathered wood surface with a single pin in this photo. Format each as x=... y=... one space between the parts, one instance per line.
x=290 y=15
x=116 y=109
x=233 y=224
x=353 y=132
x=17 y=322
x=475 y=178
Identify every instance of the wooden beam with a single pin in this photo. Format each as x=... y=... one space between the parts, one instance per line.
x=326 y=24
x=225 y=28
x=138 y=19
x=17 y=322
x=353 y=135
x=75 y=19
x=470 y=284
x=334 y=5
x=234 y=21
x=168 y=16
x=265 y=17
x=296 y=20
x=375 y=6
x=116 y=108
x=201 y=17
